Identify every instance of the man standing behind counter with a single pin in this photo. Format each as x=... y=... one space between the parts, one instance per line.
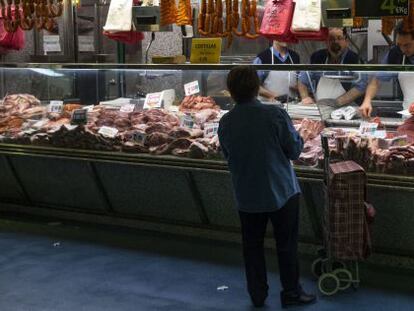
x=337 y=52
x=401 y=54
x=277 y=83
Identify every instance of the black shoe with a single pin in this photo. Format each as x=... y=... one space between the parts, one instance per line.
x=295 y=299
x=258 y=302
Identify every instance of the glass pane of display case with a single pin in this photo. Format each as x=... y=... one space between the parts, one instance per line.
x=175 y=111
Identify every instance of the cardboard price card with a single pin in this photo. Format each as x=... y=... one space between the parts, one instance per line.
x=187 y=121
x=127 y=108
x=108 y=131
x=210 y=129
x=153 y=100
x=140 y=137
x=79 y=116
x=368 y=128
x=191 y=88
x=205 y=50
x=55 y=106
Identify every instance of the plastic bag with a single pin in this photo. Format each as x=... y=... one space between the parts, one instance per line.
x=11 y=40
x=119 y=16
x=307 y=16
x=127 y=37
x=321 y=35
x=277 y=20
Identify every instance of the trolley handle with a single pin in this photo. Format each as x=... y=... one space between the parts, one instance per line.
x=325 y=146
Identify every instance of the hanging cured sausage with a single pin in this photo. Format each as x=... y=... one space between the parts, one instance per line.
x=184 y=16
x=168 y=12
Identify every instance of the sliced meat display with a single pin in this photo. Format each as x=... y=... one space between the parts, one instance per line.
x=198 y=103
x=159 y=132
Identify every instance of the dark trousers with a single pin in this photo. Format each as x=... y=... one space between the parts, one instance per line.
x=285 y=223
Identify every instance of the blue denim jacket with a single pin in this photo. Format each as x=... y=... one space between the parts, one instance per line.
x=258 y=142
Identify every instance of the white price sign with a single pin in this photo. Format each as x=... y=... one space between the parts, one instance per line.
x=108 y=131
x=368 y=128
x=86 y=44
x=210 y=129
x=140 y=137
x=187 y=121
x=88 y=108
x=127 y=108
x=191 y=88
x=153 y=100
x=55 y=106
x=51 y=43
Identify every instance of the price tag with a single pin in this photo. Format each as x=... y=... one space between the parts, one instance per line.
x=153 y=100
x=40 y=124
x=88 y=108
x=70 y=127
x=86 y=43
x=79 y=116
x=51 y=43
x=140 y=137
x=210 y=129
x=368 y=128
x=191 y=88
x=127 y=108
x=55 y=106
x=187 y=121
x=108 y=131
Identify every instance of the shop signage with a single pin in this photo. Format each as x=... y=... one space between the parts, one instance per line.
x=191 y=88
x=210 y=129
x=378 y=8
x=108 y=131
x=55 y=106
x=51 y=43
x=153 y=100
x=205 y=51
x=79 y=116
x=86 y=44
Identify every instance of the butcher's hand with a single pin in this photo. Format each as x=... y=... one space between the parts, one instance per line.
x=366 y=109
x=308 y=101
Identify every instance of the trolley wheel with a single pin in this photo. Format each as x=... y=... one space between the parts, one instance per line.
x=345 y=278
x=328 y=284
x=317 y=267
x=336 y=264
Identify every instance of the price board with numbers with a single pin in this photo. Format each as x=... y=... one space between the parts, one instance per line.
x=191 y=88
x=378 y=8
x=205 y=51
x=79 y=116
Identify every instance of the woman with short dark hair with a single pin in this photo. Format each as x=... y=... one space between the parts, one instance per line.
x=259 y=141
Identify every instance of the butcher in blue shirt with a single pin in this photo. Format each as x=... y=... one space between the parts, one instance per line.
x=321 y=87
x=259 y=141
x=400 y=54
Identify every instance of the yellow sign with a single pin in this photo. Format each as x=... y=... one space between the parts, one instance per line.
x=205 y=51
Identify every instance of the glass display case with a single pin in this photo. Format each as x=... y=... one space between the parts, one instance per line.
x=174 y=110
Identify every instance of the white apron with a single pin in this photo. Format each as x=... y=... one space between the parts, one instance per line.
x=406 y=80
x=329 y=88
x=279 y=82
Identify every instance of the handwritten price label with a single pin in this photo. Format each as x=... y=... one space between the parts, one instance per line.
x=55 y=106
x=210 y=129
x=108 y=131
x=191 y=88
x=153 y=100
